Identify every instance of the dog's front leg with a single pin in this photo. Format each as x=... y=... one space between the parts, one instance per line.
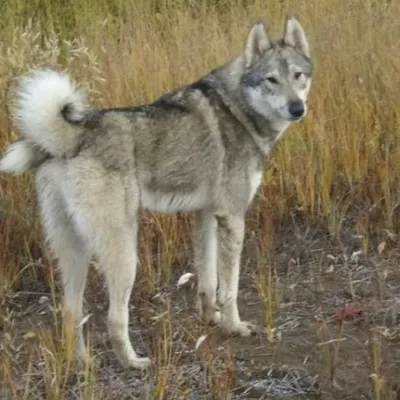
x=230 y=241
x=205 y=261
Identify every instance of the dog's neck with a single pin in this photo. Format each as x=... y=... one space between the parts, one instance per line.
x=264 y=132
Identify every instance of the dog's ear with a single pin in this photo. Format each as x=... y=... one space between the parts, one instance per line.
x=294 y=36
x=257 y=43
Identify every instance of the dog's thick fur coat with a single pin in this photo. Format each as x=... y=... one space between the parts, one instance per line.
x=200 y=148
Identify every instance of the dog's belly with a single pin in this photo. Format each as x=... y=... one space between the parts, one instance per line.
x=173 y=202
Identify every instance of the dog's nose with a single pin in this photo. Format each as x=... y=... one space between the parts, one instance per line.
x=296 y=109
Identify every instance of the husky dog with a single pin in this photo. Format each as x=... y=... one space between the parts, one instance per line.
x=201 y=148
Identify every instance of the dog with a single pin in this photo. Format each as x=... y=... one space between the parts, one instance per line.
x=200 y=148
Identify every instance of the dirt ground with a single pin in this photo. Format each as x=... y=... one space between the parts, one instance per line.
x=316 y=347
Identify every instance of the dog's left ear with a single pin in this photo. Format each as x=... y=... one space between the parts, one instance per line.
x=294 y=36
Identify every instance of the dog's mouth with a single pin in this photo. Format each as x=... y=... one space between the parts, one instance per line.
x=294 y=119
x=291 y=118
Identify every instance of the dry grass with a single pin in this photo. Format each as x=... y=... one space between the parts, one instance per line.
x=339 y=169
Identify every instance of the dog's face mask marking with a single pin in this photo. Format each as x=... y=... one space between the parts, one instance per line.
x=278 y=76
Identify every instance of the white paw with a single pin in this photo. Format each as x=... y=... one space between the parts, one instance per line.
x=212 y=318
x=137 y=362
x=216 y=319
x=240 y=328
x=209 y=313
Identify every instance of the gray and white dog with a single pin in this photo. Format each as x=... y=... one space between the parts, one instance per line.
x=200 y=148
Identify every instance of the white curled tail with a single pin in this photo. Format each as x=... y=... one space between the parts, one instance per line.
x=20 y=157
x=47 y=110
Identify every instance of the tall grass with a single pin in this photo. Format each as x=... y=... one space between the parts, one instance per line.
x=342 y=162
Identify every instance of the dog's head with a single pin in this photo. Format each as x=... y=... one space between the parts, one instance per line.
x=277 y=76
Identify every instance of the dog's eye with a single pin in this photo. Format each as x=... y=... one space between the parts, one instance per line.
x=271 y=79
x=297 y=75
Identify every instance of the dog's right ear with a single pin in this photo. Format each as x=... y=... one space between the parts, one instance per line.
x=256 y=45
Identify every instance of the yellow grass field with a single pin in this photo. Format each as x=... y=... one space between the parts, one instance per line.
x=322 y=232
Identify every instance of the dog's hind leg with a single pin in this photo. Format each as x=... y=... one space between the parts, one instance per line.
x=205 y=261
x=72 y=254
x=120 y=270
x=230 y=241
x=117 y=256
x=108 y=218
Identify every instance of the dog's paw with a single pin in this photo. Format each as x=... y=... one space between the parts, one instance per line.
x=240 y=328
x=137 y=362
x=208 y=312
x=216 y=318
x=211 y=318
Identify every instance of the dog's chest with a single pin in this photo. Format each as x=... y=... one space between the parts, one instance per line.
x=280 y=127
x=255 y=181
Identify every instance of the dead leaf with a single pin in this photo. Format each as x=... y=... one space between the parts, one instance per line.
x=29 y=335
x=184 y=279
x=348 y=313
